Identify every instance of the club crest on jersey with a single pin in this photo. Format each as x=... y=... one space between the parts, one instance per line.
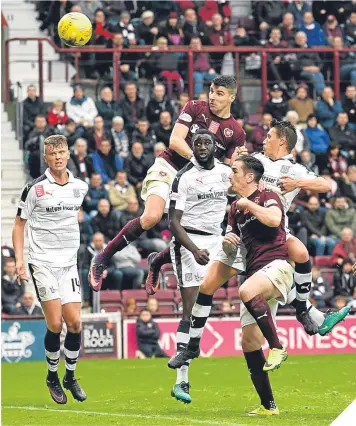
x=214 y=127
x=188 y=277
x=194 y=128
x=224 y=177
x=42 y=291
x=76 y=192
x=39 y=190
x=285 y=169
x=228 y=132
x=257 y=200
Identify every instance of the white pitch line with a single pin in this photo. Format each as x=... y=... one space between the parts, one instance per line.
x=140 y=416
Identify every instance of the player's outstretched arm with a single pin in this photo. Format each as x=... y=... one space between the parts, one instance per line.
x=18 y=235
x=318 y=184
x=177 y=141
x=181 y=236
x=269 y=216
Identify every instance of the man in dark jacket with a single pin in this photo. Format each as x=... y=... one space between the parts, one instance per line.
x=106 y=161
x=277 y=106
x=80 y=163
x=137 y=165
x=147 y=335
x=106 y=221
x=345 y=281
x=321 y=290
x=32 y=106
x=147 y=31
x=260 y=131
x=96 y=192
x=314 y=220
x=145 y=135
x=107 y=107
x=347 y=184
x=342 y=134
x=11 y=292
x=349 y=105
x=194 y=28
x=163 y=129
x=132 y=106
x=158 y=103
x=28 y=306
x=71 y=132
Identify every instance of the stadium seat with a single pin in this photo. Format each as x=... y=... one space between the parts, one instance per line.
x=143 y=264
x=138 y=295
x=328 y=274
x=323 y=261
x=164 y=295
x=166 y=309
x=233 y=294
x=171 y=282
x=233 y=282
x=220 y=294
x=166 y=275
x=111 y=300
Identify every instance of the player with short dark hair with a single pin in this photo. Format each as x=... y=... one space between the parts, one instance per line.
x=50 y=205
x=214 y=116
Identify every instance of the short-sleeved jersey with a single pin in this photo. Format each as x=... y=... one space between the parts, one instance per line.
x=51 y=211
x=285 y=166
x=202 y=196
x=263 y=243
x=196 y=115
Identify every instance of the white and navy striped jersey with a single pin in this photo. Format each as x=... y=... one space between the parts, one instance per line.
x=202 y=196
x=51 y=211
x=285 y=166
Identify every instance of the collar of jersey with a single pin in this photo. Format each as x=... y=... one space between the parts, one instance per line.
x=198 y=166
x=286 y=157
x=52 y=180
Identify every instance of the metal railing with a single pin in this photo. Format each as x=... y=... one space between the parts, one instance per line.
x=172 y=49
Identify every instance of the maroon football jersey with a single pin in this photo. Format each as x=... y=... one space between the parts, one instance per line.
x=263 y=243
x=197 y=115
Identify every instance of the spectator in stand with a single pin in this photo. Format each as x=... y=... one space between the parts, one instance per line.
x=182 y=100
x=194 y=28
x=119 y=137
x=158 y=103
x=86 y=230
x=350 y=30
x=56 y=9
x=124 y=25
x=304 y=65
x=347 y=184
x=332 y=29
x=11 y=291
x=278 y=68
x=112 y=10
x=158 y=149
x=293 y=118
x=345 y=281
x=203 y=70
x=347 y=62
x=128 y=61
x=276 y=105
x=314 y=220
x=321 y=291
x=308 y=161
x=96 y=134
x=260 y=131
x=71 y=132
x=153 y=305
x=132 y=106
x=345 y=248
x=242 y=38
x=6 y=253
x=349 y=105
x=137 y=165
x=89 y=7
x=295 y=224
x=327 y=197
x=164 y=128
x=147 y=335
x=337 y=163
x=95 y=193
x=172 y=30
x=120 y=191
x=145 y=135
x=131 y=307
x=147 y=31
x=28 y=307
x=106 y=161
x=57 y=116
x=288 y=28
x=318 y=141
x=327 y=108
x=298 y=9
x=34 y=145
x=102 y=31
x=302 y=104
x=127 y=260
x=107 y=107
x=219 y=36
x=81 y=108
x=238 y=110
x=315 y=34
x=32 y=107
x=106 y=221
x=342 y=134
x=267 y=14
x=341 y=215
x=162 y=10
x=80 y=163
x=203 y=96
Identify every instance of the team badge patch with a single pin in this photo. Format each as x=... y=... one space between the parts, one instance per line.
x=228 y=132
x=42 y=291
x=76 y=192
x=224 y=177
x=194 y=128
x=188 y=277
x=39 y=190
x=285 y=170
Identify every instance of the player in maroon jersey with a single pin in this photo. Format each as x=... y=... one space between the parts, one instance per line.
x=215 y=116
x=256 y=220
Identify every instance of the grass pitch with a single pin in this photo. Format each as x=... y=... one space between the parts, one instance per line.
x=309 y=390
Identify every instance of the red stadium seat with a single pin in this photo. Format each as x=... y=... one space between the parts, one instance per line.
x=164 y=295
x=143 y=264
x=168 y=267
x=328 y=274
x=138 y=295
x=166 y=309
x=323 y=261
x=220 y=294
x=167 y=277
x=171 y=282
x=233 y=294
x=110 y=300
x=233 y=282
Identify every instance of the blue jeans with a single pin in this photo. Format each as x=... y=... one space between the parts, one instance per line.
x=317 y=79
x=348 y=72
x=319 y=245
x=199 y=78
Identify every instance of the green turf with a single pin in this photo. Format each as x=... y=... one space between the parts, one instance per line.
x=309 y=390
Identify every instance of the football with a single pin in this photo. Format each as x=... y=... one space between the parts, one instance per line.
x=75 y=29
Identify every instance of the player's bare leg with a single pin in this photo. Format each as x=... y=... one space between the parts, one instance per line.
x=154 y=209
x=52 y=310
x=180 y=390
x=217 y=275
x=71 y=316
x=252 y=340
x=313 y=320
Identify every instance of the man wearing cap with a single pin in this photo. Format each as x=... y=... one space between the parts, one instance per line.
x=147 y=31
x=277 y=106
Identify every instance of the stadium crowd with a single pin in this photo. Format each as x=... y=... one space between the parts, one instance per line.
x=113 y=143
